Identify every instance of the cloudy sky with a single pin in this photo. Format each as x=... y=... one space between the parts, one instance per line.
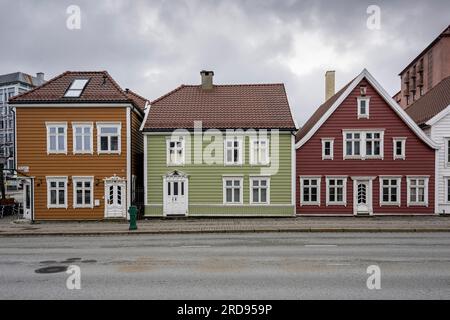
x=154 y=46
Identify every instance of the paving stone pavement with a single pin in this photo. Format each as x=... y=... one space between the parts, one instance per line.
x=9 y=226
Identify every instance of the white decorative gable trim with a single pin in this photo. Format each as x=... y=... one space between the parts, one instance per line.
x=439 y=116
x=394 y=105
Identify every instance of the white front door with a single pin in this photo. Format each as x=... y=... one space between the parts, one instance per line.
x=175 y=195
x=363 y=197
x=27 y=201
x=115 y=199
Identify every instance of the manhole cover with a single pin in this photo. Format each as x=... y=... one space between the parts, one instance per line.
x=54 y=269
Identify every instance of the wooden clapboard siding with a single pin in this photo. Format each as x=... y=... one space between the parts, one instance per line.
x=137 y=155
x=440 y=132
x=420 y=158
x=32 y=152
x=206 y=180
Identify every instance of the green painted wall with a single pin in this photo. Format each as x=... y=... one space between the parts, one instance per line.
x=205 y=181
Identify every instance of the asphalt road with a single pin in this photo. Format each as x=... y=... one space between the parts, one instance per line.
x=228 y=266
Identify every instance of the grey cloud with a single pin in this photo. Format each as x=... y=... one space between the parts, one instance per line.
x=153 y=46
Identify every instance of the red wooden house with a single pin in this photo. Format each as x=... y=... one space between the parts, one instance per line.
x=361 y=154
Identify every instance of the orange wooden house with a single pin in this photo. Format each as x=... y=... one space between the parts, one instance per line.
x=79 y=144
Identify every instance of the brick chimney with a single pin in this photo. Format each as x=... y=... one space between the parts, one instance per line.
x=207 y=79
x=329 y=84
x=40 y=78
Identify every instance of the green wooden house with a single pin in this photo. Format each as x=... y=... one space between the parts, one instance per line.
x=220 y=150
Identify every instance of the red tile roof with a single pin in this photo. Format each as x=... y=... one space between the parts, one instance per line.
x=430 y=104
x=317 y=115
x=101 y=88
x=225 y=106
x=138 y=100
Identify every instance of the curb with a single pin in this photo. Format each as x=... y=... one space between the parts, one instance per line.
x=200 y=231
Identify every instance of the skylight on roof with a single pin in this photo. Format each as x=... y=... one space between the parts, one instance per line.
x=76 y=88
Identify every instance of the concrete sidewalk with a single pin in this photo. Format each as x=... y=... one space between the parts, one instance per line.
x=9 y=227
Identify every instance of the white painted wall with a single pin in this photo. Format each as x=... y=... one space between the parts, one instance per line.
x=439 y=132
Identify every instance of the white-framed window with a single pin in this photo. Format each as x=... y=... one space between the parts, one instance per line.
x=259 y=151
x=175 y=151
x=233 y=190
x=363 y=107
x=233 y=150
x=259 y=190
x=373 y=144
x=390 y=187
x=447 y=152
x=417 y=191
x=108 y=137
x=310 y=191
x=76 y=88
x=327 y=148
x=336 y=191
x=399 y=148
x=57 y=192
x=82 y=137
x=447 y=189
x=364 y=144
x=83 y=192
x=352 y=145
x=56 y=137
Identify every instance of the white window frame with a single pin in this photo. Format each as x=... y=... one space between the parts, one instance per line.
x=447 y=189
x=240 y=151
x=56 y=125
x=344 y=191
x=260 y=178
x=57 y=180
x=353 y=140
x=394 y=148
x=83 y=125
x=182 y=160
x=331 y=155
x=241 y=190
x=74 y=188
x=399 y=190
x=446 y=152
x=310 y=203
x=367 y=100
x=101 y=125
x=408 y=185
x=256 y=155
x=362 y=146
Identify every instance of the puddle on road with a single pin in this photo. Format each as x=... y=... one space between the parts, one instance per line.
x=89 y=261
x=56 y=267
x=52 y=269
x=70 y=260
x=48 y=262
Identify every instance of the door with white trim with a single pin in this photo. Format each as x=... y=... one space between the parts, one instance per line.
x=27 y=200
x=363 y=196
x=115 y=199
x=175 y=195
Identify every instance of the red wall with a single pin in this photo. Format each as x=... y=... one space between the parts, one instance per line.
x=419 y=156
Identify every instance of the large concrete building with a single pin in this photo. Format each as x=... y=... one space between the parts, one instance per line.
x=425 y=71
x=11 y=85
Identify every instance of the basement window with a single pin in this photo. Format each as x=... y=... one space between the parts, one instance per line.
x=76 y=88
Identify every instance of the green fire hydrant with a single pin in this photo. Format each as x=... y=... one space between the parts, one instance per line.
x=133 y=217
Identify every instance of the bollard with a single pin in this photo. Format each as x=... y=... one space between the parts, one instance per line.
x=133 y=217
